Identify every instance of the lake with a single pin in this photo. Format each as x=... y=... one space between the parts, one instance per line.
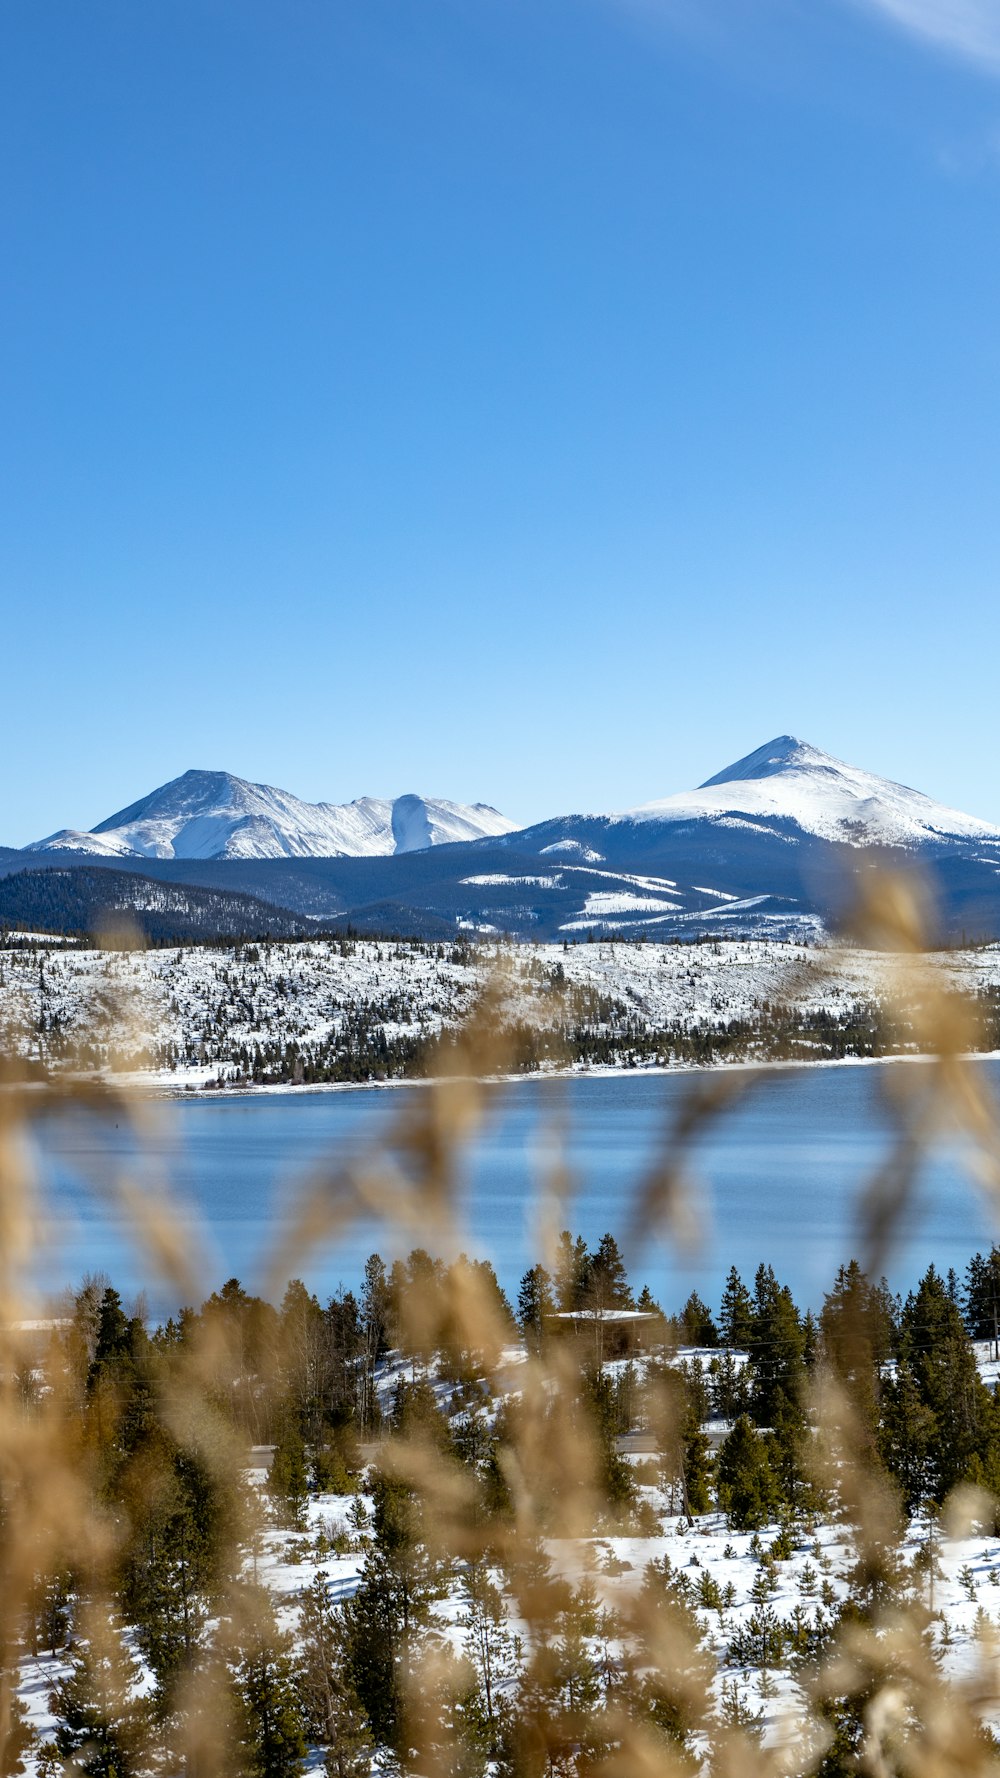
x=775 y=1179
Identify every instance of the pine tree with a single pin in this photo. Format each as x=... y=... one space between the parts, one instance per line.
x=382 y=1619
x=857 y=1331
x=375 y=1334
x=491 y=1647
x=729 y=1387
x=736 y=1313
x=605 y=1281
x=571 y=1271
x=101 y=1724
x=696 y=1325
x=982 y=1298
x=697 y=1472
x=535 y=1302
x=746 y=1486
x=907 y=1437
x=288 y=1478
x=617 y=1483
x=936 y=1353
x=302 y=1337
x=673 y=1697
x=17 y=1736
x=333 y=1714
x=183 y=1521
x=271 y=1735
x=776 y=1347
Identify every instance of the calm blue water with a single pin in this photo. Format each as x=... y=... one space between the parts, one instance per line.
x=774 y=1179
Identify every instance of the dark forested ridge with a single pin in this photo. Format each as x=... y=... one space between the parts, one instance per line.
x=87 y=900
x=677 y=884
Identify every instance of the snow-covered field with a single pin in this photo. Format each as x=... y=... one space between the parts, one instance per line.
x=186 y=1016
x=730 y=1579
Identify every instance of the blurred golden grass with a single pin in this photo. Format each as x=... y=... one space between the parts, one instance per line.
x=915 y=1723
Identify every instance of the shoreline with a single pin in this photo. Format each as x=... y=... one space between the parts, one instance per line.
x=199 y=1094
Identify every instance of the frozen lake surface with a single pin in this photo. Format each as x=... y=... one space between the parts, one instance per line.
x=776 y=1179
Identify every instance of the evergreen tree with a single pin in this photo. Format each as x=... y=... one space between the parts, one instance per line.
x=936 y=1355
x=728 y=1387
x=776 y=1347
x=491 y=1647
x=605 y=1281
x=981 y=1303
x=183 y=1526
x=617 y=1482
x=244 y=1335
x=375 y=1334
x=101 y=1724
x=417 y=1415
x=384 y=1616
x=857 y=1334
x=786 y=1448
x=746 y=1485
x=736 y=1313
x=535 y=1302
x=17 y=1737
x=697 y=1472
x=696 y=1326
x=675 y=1695
x=333 y=1714
x=270 y=1727
x=302 y=1334
x=288 y=1477
x=907 y=1438
x=571 y=1271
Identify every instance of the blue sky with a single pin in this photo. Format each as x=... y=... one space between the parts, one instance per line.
x=542 y=401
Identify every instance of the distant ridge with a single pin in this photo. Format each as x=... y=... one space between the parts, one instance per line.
x=767 y=847
x=216 y=815
x=88 y=900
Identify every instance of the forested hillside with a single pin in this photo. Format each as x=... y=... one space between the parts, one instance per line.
x=692 y=1590
x=90 y=900
x=309 y=1012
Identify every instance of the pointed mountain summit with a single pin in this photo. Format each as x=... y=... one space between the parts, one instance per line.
x=775 y=756
x=790 y=781
x=216 y=815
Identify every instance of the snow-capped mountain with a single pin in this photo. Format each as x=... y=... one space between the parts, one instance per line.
x=215 y=815
x=786 y=791
x=792 y=781
x=768 y=847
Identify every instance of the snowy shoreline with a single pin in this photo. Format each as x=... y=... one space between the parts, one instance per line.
x=156 y=1089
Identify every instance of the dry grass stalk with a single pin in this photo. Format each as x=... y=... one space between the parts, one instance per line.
x=914 y=1723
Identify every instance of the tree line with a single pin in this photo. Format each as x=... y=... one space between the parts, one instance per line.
x=335 y=1388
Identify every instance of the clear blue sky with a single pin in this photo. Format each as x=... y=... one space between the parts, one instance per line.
x=542 y=401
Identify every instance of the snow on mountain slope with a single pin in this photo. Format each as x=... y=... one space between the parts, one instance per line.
x=419 y=822
x=216 y=815
x=789 y=780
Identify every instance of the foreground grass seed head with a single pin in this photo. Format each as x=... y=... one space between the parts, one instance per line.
x=132 y=1531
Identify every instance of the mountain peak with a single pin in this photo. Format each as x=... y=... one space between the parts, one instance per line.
x=791 y=782
x=206 y=814
x=775 y=756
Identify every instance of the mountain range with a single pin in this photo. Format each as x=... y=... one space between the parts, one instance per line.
x=770 y=846
x=215 y=815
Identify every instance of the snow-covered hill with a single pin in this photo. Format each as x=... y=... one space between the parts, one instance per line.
x=794 y=781
x=353 y=1010
x=216 y=815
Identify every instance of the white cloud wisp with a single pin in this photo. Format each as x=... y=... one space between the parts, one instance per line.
x=968 y=27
